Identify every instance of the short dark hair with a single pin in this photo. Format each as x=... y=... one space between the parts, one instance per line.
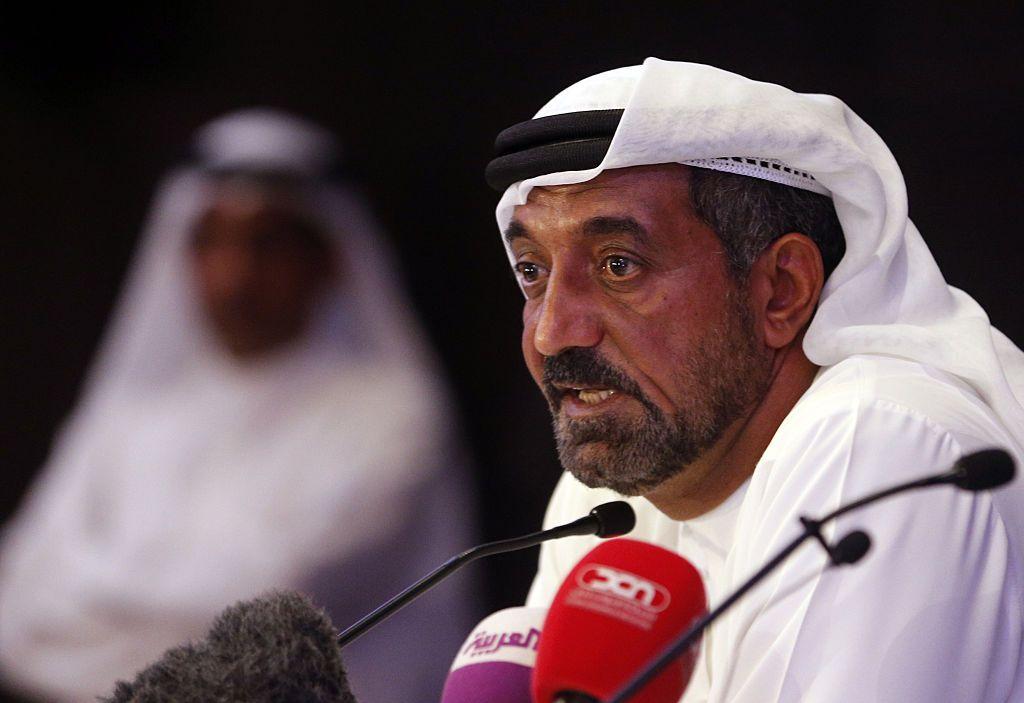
x=748 y=214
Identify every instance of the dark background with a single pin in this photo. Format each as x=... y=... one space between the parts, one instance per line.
x=95 y=107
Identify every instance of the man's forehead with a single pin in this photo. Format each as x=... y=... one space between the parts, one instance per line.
x=668 y=175
x=616 y=201
x=247 y=215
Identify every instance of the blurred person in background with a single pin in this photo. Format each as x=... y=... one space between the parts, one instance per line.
x=263 y=412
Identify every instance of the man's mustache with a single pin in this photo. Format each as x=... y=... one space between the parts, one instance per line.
x=583 y=367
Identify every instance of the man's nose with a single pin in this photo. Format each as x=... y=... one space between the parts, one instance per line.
x=234 y=267
x=568 y=316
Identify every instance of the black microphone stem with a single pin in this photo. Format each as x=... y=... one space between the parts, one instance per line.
x=583 y=526
x=939 y=480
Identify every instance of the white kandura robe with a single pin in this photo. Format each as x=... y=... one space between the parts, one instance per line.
x=932 y=613
x=164 y=518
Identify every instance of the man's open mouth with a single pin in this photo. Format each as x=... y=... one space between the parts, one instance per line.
x=592 y=396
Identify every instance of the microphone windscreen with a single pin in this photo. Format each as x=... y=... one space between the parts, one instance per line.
x=620 y=607
x=495 y=662
x=984 y=469
x=614 y=519
x=851 y=548
x=279 y=647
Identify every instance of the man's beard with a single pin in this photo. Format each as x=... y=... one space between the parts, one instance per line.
x=726 y=373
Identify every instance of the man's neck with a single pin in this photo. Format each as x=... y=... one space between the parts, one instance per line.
x=721 y=470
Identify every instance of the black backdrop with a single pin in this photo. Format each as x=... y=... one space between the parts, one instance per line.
x=94 y=107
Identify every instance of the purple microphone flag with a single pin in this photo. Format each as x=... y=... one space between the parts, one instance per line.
x=495 y=662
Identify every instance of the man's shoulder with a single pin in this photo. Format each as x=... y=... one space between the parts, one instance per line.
x=865 y=424
x=868 y=422
x=896 y=391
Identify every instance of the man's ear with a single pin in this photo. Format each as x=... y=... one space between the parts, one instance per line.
x=786 y=282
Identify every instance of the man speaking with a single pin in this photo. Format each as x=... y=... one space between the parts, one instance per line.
x=735 y=323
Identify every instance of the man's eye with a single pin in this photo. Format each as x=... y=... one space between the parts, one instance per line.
x=619 y=266
x=529 y=272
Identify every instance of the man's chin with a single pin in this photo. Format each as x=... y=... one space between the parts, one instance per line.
x=592 y=466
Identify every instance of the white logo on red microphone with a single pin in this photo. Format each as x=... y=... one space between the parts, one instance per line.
x=623 y=584
x=619 y=594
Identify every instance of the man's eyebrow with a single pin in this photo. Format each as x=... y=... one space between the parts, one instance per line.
x=609 y=224
x=515 y=230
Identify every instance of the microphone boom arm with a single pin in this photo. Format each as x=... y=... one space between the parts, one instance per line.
x=679 y=647
x=587 y=525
